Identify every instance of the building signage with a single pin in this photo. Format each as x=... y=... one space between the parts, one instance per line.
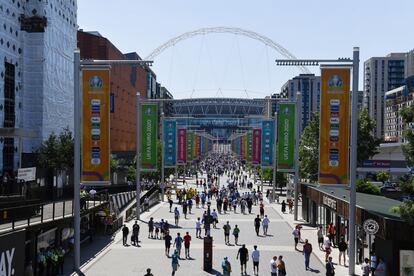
x=26 y=174
x=149 y=126
x=334 y=126
x=267 y=143
x=170 y=143
x=190 y=136
x=286 y=137
x=256 y=145
x=182 y=146
x=95 y=126
x=376 y=164
x=330 y=202
x=12 y=254
x=371 y=226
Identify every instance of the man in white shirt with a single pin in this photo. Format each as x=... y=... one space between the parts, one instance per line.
x=215 y=218
x=255 y=258
x=273 y=266
x=265 y=223
x=295 y=234
x=198 y=228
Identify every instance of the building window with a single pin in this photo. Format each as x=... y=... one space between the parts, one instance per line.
x=9 y=95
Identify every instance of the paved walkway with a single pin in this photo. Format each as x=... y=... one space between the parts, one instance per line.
x=119 y=260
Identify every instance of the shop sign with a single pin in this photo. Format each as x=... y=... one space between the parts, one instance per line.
x=371 y=226
x=331 y=203
x=12 y=254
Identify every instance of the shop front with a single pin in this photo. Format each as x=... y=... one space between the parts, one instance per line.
x=378 y=230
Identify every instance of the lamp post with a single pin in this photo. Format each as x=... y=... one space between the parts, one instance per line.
x=274 y=160
x=138 y=154
x=353 y=138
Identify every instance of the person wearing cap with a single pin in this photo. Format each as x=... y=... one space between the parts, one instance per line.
x=226 y=267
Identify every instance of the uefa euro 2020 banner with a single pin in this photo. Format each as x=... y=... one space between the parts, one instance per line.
x=286 y=137
x=268 y=126
x=190 y=144
x=170 y=143
x=256 y=146
x=182 y=146
x=334 y=126
x=95 y=126
x=149 y=136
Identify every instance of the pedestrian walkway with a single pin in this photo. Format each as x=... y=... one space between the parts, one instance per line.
x=117 y=259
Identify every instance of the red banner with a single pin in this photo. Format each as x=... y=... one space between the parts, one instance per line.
x=256 y=146
x=182 y=146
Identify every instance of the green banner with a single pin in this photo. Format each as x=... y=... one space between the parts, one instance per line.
x=190 y=136
x=149 y=127
x=286 y=137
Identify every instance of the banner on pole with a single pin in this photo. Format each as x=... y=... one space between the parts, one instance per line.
x=249 y=147
x=170 y=143
x=95 y=126
x=256 y=146
x=334 y=126
x=267 y=143
x=149 y=136
x=190 y=136
x=182 y=146
x=286 y=137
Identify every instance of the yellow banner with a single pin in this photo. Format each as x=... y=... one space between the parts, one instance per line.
x=334 y=126
x=95 y=125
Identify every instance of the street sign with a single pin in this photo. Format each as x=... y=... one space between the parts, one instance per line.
x=26 y=174
x=371 y=226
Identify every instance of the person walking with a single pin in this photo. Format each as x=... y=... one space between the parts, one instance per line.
x=176 y=216
x=257 y=222
x=261 y=209
x=167 y=240
x=187 y=240
x=320 y=238
x=125 y=232
x=170 y=201
x=265 y=224
x=273 y=266
x=198 y=228
x=214 y=216
x=373 y=262
x=330 y=269
x=227 y=229
x=381 y=269
x=307 y=250
x=327 y=246
x=236 y=232
x=178 y=242
x=283 y=207
x=243 y=253
x=226 y=266
x=255 y=259
x=296 y=236
x=281 y=267
x=135 y=233
x=151 y=228
x=365 y=267
x=342 y=246
x=174 y=262
x=149 y=272
x=185 y=209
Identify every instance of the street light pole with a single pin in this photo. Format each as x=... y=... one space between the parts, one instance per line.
x=138 y=154
x=297 y=138
x=353 y=160
x=162 y=154
x=77 y=156
x=274 y=160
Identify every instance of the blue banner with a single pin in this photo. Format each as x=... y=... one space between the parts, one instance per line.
x=170 y=143
x=267 y=143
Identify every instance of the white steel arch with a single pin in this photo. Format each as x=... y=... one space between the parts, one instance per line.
x=221 y=30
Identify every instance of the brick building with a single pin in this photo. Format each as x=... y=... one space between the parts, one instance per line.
x=126 y=81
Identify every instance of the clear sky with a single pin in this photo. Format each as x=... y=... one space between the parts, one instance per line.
x=218 y=65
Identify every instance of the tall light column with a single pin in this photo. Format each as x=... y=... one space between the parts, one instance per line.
x=353 y=160
x=297 y=138
x=274 y=159
x=77 y=157
x=138 y=154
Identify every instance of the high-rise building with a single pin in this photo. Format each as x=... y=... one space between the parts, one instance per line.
x=310 y=87
x=37 y=41
x=395 y=100
x=409 y=64
x=381 y=74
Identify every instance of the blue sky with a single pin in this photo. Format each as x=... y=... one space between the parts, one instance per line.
x=218 y=65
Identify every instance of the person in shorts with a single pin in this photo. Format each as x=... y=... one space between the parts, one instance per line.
x=296 y=236
x=256 y=259
x=243 y=253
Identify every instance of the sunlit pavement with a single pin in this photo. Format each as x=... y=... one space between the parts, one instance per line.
x=131 y=260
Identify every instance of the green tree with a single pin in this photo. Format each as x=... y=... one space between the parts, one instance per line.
x=56 y=152
x=367 y=143
x=383 y=176
x=366 y=187
x=113 y=163
x=406 y=209
x=309 y=149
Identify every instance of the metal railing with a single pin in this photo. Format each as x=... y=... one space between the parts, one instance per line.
x=153 y=195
